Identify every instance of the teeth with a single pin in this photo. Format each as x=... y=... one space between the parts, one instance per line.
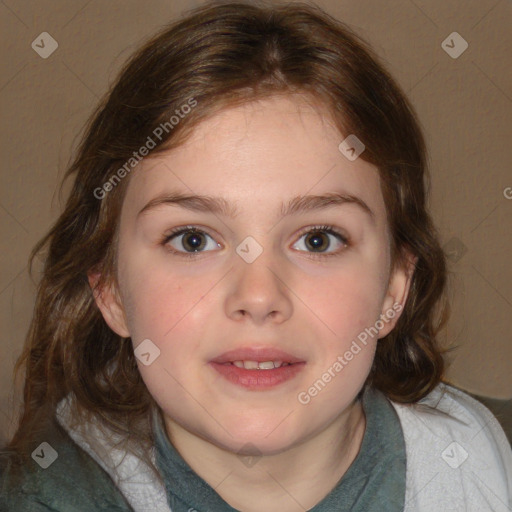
x=254 y=365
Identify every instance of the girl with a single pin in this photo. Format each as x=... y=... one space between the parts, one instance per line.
x=241 y=301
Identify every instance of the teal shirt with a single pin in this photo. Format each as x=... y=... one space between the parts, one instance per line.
x=76 y=483
x=375 y=482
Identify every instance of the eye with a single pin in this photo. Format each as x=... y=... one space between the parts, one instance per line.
x=189 y=240
x=319 y=239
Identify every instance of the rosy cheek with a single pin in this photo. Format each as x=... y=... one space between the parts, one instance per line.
x=168 y=309
x=350 y=300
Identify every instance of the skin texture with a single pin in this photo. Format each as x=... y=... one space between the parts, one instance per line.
x=195 y=308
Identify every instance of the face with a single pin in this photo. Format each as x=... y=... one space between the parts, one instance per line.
x=280 y=276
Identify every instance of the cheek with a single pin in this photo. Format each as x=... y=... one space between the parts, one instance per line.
x=161 y=303
x=346 y=302
x=169 y=310
x=348 y=306
x=158 y=293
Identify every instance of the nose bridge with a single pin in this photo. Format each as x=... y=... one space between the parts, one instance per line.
x=257 y=289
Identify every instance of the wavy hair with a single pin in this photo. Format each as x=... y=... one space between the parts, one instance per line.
x=221 y=55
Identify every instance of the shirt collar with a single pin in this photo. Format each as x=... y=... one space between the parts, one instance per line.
x=375 y=481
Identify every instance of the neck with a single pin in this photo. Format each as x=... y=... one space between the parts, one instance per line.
x=290 y=481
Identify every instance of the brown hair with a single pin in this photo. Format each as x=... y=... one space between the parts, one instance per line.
x=221 y=55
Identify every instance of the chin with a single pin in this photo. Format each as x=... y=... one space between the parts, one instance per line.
x=252 y=441
x=256 y=447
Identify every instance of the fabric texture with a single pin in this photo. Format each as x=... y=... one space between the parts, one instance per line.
x=74 y=482
x=458 y=459
x=375 y=481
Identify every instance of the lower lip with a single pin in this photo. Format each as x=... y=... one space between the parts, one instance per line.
x=258 y=379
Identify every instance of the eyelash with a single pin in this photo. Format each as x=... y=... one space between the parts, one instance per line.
x=331 y=230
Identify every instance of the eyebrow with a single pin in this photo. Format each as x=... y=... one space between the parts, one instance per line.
x=219 y=206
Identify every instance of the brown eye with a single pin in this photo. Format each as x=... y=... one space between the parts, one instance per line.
x=317 y=241
x=193 y=241
x=322 y=239
x=189 y=240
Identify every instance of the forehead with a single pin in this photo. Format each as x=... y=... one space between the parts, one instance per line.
x=259 y=153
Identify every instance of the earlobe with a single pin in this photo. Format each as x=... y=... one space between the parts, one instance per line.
x=397 y=293
x=109 y=303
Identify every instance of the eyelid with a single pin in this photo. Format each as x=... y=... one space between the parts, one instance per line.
x=325 y=228
x=181 y=230
x=328 y=228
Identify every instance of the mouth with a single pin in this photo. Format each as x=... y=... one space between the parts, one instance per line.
x=252 y=358
x=257 y=368
x=258 y=365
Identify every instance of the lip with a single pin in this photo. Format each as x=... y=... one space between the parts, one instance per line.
x=258 y=354
x=257 y=380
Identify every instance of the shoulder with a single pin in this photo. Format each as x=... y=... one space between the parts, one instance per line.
x=58 y=476
x=457 y=454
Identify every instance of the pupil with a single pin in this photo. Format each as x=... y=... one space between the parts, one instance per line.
x=316 y=241
x=193 y=241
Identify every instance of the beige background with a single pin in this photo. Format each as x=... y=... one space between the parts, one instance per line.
x=464 y=104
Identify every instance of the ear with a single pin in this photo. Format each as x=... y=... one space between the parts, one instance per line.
x=108 y=301
x=397 y=292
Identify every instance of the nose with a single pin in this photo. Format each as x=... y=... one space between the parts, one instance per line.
x=258 y=291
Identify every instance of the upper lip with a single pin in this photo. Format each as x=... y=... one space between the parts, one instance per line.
x=258 y=354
